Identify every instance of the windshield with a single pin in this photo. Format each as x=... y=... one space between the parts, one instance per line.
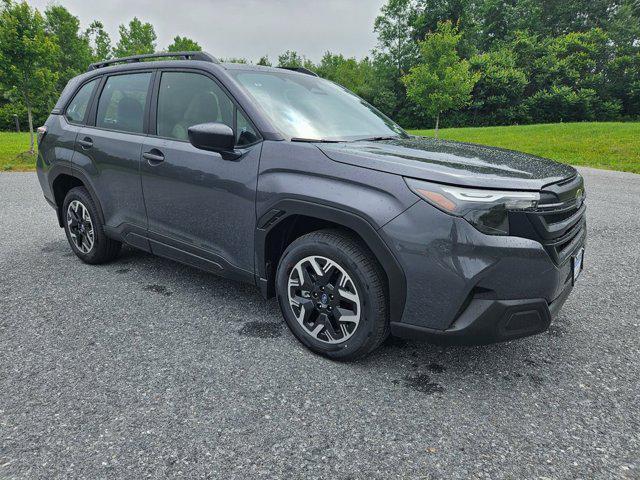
x=308 y=108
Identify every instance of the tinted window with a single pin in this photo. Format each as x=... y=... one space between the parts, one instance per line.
x=121 y=105
x=187 y=99
x=78 y=106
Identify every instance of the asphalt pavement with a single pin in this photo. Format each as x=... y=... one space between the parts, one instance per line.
x=145 y=368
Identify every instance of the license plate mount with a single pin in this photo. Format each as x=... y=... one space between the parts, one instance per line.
x=577 y=264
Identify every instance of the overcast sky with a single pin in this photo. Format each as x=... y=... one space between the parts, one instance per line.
x=243 y=28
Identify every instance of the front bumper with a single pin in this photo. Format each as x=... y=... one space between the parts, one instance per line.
x=490 y=321
x=465 y=287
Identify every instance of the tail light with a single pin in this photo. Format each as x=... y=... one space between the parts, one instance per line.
x=42 y=131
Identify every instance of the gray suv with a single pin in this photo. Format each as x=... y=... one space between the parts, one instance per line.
x=280 y=178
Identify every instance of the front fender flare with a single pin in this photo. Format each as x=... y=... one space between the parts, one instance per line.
x=286 y=208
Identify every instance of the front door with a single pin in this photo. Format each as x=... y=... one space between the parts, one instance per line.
x=200 y=207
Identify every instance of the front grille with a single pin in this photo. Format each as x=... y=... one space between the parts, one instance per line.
x=559 y=223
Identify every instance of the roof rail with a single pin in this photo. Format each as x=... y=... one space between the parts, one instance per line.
x=306 y=71
x=203 y=56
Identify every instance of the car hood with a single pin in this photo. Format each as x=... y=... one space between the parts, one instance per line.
x=456 y=163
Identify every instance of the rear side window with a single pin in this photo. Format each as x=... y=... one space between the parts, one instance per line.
x=187 y=99
x=122 y=102
x=78 y=107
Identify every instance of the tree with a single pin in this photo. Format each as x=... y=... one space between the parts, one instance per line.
x=99 y=41
x=27 y=54
x=497 y=97
x=291 y=58
x=74 y=51
x=352 y=74
x=442 y=81
x=462 y=13
x=394 y=27
x=264 y=60
x=136 y=39
x=184 y=44
x=234 y=60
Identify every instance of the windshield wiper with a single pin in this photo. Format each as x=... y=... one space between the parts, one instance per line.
x=377 y=139
x=313 y=140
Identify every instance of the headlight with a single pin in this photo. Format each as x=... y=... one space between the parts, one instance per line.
x=487 y=210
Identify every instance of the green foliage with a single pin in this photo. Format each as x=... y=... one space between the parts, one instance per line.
x=501 y=84
x=7 y=112
x=563 y=103
x=27 y=59
x=394 y=27
x=430 y=13
x=74 y=51
x=352 y=74
x=442 y=80
x=610 y=145
x=264 y=61
x=291 y=58
x=234 y=60
x=99 y=41
x=135 y=39
x=499 y=62
x=184 y=44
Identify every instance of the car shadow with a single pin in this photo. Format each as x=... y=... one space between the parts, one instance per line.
x=418 y=365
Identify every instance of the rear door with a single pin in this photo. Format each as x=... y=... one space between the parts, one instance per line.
x=108 y=149
x=201 y=208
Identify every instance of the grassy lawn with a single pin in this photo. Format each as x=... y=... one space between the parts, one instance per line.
x=610 y=145
x=14 y=156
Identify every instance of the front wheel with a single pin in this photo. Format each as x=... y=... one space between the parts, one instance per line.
x=332 y=294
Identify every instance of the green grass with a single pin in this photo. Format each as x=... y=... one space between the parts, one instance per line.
x=610 y=145
x=14 y=152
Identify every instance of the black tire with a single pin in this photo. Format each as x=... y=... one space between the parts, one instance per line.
x=104 y=249
x=353 y=256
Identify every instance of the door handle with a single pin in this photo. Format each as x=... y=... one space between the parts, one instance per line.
x=154 y=156
x=86 y=142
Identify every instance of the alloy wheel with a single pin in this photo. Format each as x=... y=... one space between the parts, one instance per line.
x=80 y=226
x=324 y=299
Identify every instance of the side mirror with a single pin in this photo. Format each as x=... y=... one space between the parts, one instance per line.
x=214 y=137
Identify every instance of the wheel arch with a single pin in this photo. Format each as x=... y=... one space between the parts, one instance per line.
x=64 y=178
x=289 y=219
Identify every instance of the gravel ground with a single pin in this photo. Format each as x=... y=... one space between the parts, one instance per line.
x=145 y=368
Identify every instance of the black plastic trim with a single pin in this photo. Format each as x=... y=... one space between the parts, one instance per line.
x=202 y=56
x=290 y=207
x=57 y=170
x=487 y=321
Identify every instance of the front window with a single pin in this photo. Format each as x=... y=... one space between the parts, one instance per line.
x=186 y=99
x=309 y=108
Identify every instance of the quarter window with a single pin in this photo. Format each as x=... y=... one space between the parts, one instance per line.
x=78 y=107
x=245 y=133
x=122 y=102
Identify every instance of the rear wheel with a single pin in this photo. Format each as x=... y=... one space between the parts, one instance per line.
x=85 y=230
x=332 y=294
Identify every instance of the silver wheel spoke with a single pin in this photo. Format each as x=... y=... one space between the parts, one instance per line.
x=316 y=331
x=80 y=226
x=352 y=297
x=323 y=299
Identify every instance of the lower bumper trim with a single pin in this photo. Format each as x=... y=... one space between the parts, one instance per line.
x=489 y=321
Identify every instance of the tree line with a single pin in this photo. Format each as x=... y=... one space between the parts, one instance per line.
x=452 y=62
